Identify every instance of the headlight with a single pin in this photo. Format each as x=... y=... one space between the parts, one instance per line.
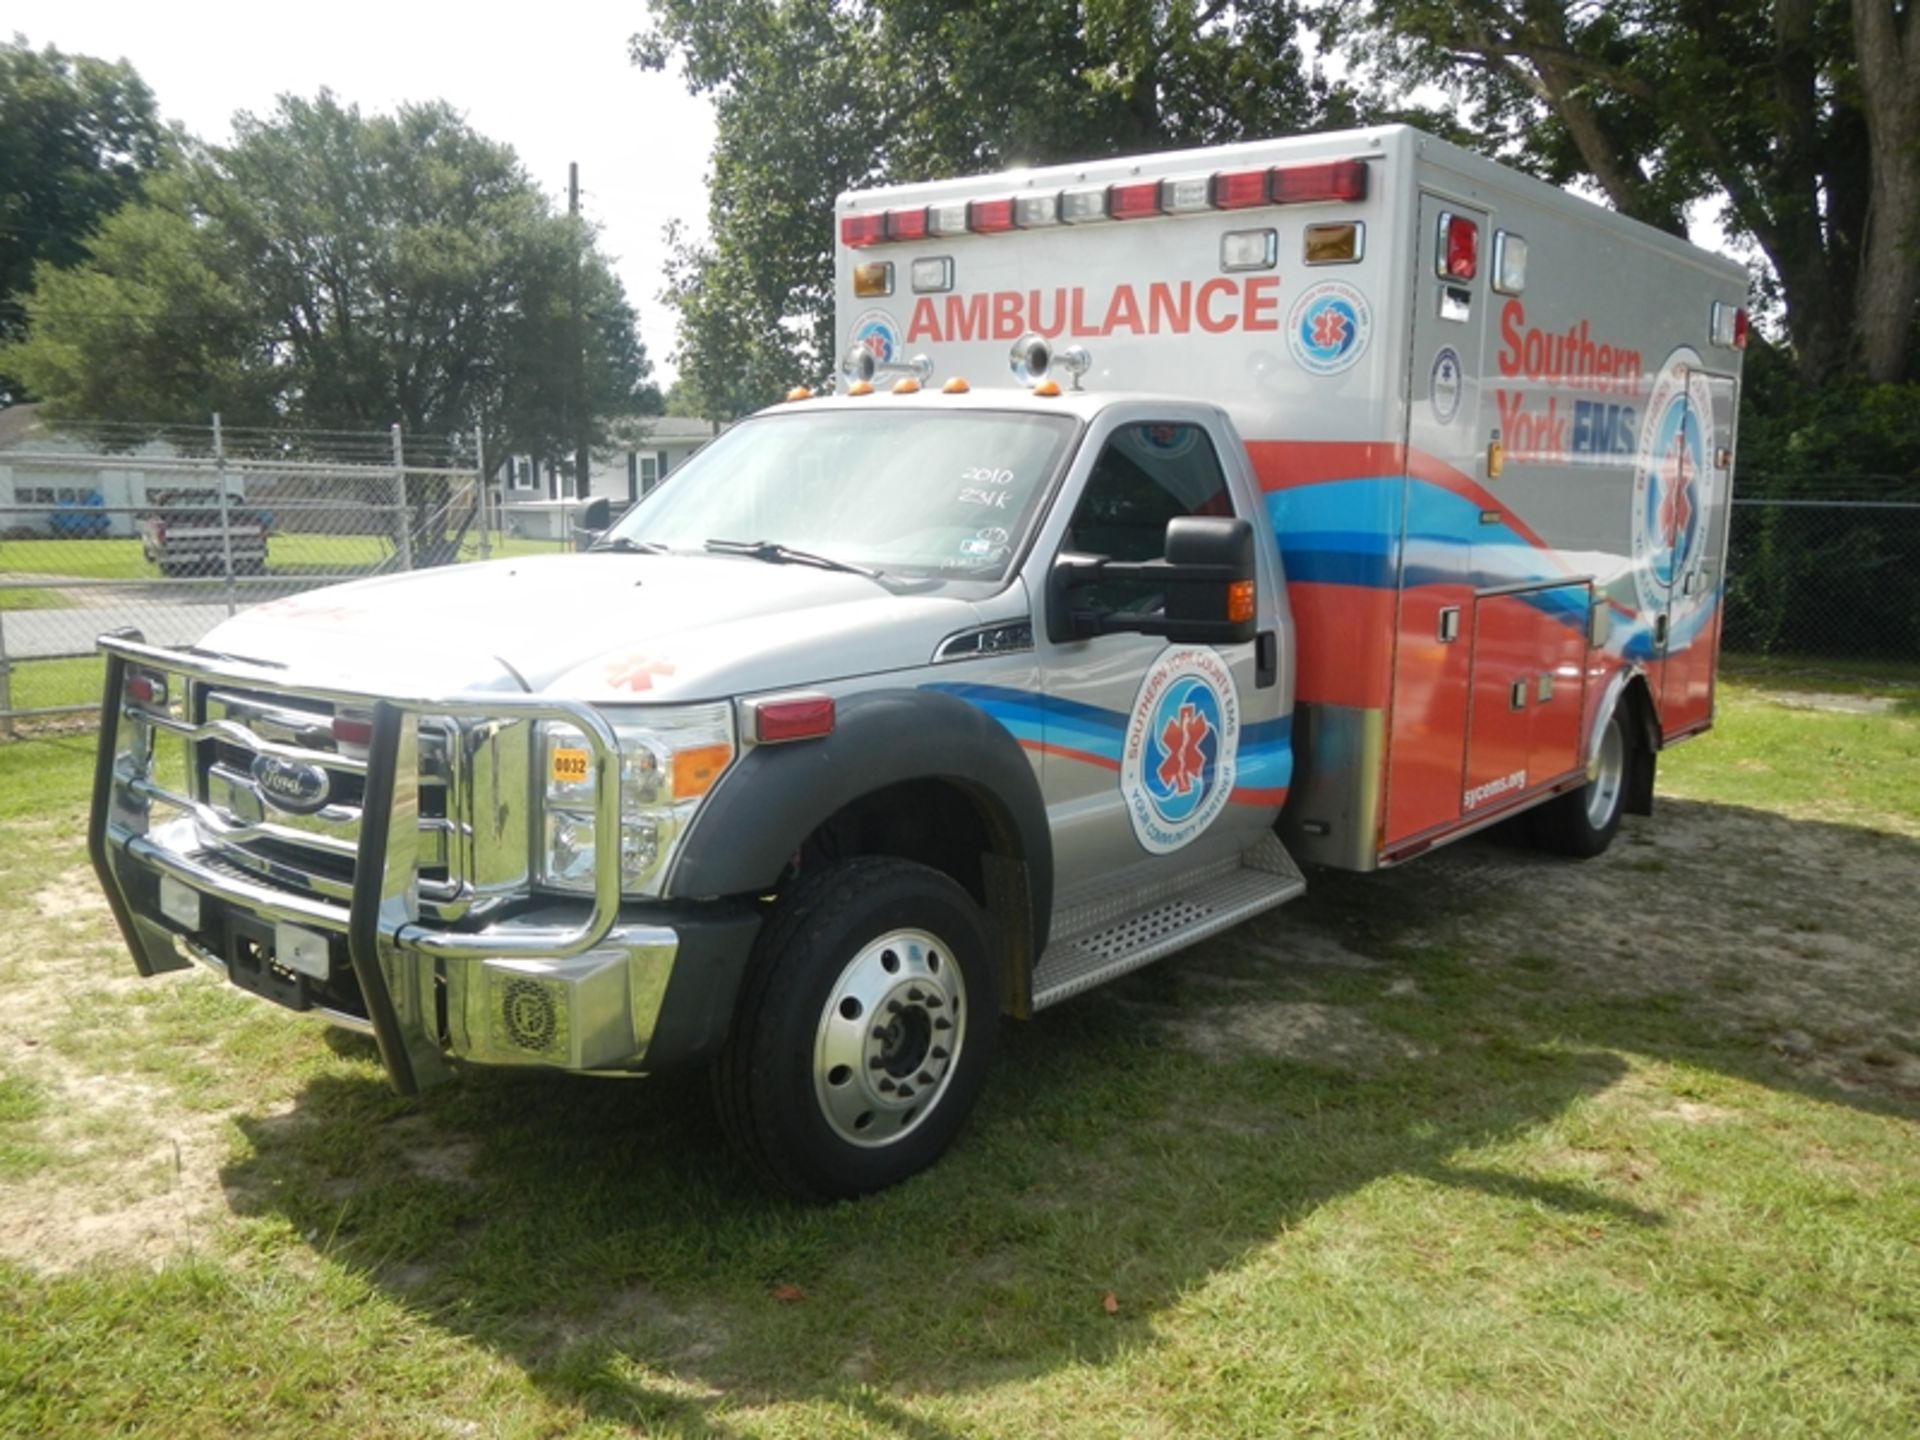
x=669 y=760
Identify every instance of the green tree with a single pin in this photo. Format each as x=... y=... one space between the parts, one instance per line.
x=341 y=271
x=816 y=96
x=77 y=135
x=1801 y=116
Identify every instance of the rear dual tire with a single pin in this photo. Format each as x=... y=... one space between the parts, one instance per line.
x=1583 y=822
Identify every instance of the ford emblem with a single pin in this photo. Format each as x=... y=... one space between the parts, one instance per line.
x=290 y=785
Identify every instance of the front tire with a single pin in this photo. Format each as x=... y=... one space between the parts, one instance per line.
x=1583 y=822
x=865 y=1030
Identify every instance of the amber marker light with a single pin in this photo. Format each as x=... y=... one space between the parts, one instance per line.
x=799 y=392
x=907 y=386
x=860 y=387
x=1240 y=601
x=695 y=770
x=1047 y=388
x=1337 y=244
x=955 y=386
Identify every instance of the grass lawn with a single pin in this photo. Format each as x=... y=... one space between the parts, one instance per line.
x=25 y=597
x=1485 y=1145
x=38 y=684
x=288 y=553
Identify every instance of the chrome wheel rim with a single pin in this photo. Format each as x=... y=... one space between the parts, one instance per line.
x=889 y=1037
x=1608 y=776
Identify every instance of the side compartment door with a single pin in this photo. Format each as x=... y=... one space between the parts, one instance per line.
x=1528 y=692
x=1157 y=753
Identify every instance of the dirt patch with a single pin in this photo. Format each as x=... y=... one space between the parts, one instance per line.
x=72 y=900
x=1796 y=931
x=1300 y=1030
x=1835 y=703
x=1692 y=1112
x=138 y=1178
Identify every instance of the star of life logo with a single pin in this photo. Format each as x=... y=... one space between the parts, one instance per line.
x=876 y=331
x=1674 y=486
x=1182 y=742
x=1329 y=327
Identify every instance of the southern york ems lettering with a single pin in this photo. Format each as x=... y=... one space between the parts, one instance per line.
x=1538 y=423
x=1209 y=307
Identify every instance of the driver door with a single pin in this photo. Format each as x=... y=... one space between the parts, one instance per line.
x=1149 y=757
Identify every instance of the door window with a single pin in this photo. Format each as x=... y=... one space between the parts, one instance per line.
x=1147 y=475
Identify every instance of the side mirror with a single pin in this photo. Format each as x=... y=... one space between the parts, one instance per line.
x=1206 y=578
x=592 y=522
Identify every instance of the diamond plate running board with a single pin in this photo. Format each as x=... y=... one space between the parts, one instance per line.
x=1109 y=936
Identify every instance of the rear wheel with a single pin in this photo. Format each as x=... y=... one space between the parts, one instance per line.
x=865 y=1030
x=1582 y=822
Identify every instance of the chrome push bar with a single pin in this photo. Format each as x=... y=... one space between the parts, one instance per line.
x=390 y=950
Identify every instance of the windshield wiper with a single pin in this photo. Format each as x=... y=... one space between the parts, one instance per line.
x=624 y=546
x=774 y=553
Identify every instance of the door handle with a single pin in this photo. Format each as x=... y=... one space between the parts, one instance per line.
x=1266 y=660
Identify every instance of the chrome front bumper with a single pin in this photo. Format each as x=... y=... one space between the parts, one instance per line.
x=567 y=985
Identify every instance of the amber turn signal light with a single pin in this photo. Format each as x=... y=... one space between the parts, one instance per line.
x=695 y=770
x=1240 y=601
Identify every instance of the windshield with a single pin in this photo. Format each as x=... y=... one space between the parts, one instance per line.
x=922 y=495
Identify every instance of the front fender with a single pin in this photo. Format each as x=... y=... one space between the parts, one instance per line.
x=759 y=815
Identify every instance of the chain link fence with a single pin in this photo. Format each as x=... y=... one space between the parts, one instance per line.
x=171 y=529
x=1833 y=577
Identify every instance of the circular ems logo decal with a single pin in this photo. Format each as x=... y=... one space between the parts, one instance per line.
x=1329 y=327
x=1673 y=487
x=1183 y=736
x=1172 y=441
x=875 y=330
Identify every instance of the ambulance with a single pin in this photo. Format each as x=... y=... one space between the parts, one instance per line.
x=1174 y=520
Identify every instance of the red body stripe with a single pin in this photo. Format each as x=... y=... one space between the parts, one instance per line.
x=1084 y=756
x=1345 y=639
x=1258 y=795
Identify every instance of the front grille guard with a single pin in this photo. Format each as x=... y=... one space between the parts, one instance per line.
x=396 y=959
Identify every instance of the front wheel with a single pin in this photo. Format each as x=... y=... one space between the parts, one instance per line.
x=1583 y=822
x=864 y=1033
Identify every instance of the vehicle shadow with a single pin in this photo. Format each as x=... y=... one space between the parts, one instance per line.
x=1141 y=1141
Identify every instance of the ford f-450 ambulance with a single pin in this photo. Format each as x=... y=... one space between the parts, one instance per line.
x=1177 y=518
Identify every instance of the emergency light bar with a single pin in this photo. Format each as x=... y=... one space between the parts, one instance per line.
x=1342 y=180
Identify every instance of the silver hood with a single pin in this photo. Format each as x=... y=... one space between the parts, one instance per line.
x=607 y=627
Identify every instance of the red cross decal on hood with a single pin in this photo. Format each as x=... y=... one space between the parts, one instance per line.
x=636 y=672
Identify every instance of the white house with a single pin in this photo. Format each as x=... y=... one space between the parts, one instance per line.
x=56 y=482
x=540 y=501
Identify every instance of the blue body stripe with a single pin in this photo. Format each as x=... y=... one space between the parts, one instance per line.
x=1265 y=759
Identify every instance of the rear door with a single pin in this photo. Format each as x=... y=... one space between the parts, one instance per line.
x=1680 y=531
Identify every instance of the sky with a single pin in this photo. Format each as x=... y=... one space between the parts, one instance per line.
x=552 y=81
